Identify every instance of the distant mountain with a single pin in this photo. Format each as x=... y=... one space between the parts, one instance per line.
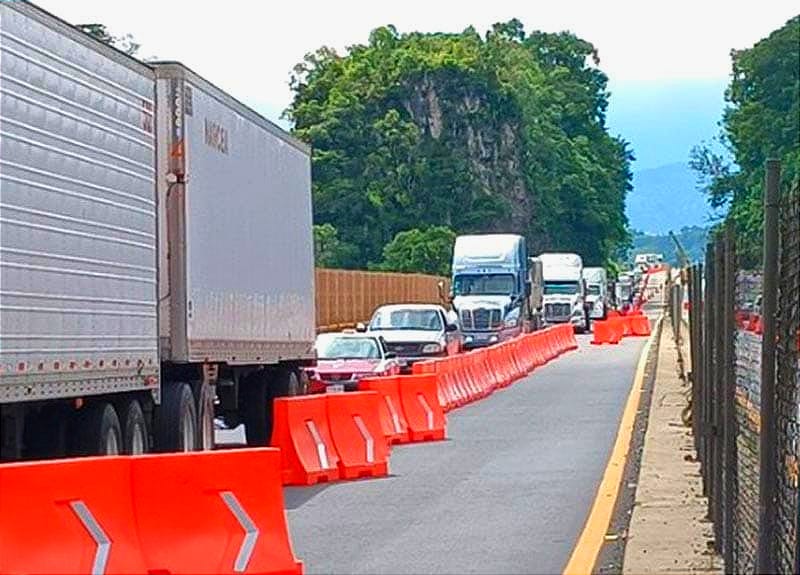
x=666 y=198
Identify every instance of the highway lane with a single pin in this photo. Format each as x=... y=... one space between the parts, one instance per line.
x=509 y=492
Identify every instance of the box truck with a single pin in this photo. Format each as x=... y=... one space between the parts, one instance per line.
x=564 y=290
x=156 y=254
x=490 y=287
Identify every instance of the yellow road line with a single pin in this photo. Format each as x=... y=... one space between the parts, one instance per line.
x=586 y=550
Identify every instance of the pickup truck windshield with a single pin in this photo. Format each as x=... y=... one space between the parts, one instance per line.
x=424 y=319
x=560 y=288
x=483 y=284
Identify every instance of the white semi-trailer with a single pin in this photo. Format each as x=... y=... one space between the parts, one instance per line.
x=156 y=254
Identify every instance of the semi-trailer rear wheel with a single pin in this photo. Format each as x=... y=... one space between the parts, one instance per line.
x=175 y=423
x=97 y=430
x=135 y=439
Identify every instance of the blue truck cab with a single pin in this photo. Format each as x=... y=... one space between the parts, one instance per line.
x=491 y=287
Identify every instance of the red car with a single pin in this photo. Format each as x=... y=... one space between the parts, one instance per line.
x=344 y=358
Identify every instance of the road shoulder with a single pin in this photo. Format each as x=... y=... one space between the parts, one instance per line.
x=668 y=531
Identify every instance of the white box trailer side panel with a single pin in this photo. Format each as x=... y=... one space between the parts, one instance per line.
x=77 y=213
x=249 y=264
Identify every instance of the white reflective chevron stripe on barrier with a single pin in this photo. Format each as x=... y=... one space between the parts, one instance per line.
x=428 y=411
x=393 y=412
x=96 y=532
x=368 y=441
x=250 y=531
x=322 y=452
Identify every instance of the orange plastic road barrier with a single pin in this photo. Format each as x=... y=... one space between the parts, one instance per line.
x=426 y=419
x=606 y=332
x=218 y=513
x=301 y=431
x=640 y=325
x=211 y=512
x=73 y=516
x=390 y=408
x=357 y=434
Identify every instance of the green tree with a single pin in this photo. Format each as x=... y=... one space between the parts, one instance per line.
x=502 y=133
x=100 y=32
x=761 y=120
x=426 y=250
x=329 y=250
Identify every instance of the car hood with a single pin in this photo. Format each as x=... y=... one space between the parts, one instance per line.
x=408 y=335
x=478 y=301
x=347 y=365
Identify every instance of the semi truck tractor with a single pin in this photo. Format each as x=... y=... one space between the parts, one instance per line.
x=156 y=255
x=564 y=290
x=491 y=287
x=596 y=280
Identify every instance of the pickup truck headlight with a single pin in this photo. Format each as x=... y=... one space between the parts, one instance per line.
x=431 y=348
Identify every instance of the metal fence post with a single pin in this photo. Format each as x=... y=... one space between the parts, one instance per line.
x=718 y=382
x=708 y=377
x=768 y=445
x=729 y=390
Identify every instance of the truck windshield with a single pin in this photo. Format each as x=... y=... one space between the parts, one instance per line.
x=483 y=284
x=425 y=319
x=593 y=289
x=560 y=288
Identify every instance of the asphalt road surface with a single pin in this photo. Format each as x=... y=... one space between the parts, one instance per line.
x=508 y=492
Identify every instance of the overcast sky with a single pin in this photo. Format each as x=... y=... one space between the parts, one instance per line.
x=249 y=48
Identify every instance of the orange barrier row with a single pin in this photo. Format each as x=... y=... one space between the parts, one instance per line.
x=170 y=514
x=330 y=437
x=615 y=327
x=465 y=378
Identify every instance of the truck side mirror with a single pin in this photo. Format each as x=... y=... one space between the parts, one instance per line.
x=451 y=327
x=527 y=289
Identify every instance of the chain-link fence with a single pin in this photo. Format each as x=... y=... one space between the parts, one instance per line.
x=744 y=335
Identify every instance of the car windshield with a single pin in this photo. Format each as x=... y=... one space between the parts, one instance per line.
x=560 y=288
x=593 y=289
x=485 y=284
x=424 y=319
x=332 y=347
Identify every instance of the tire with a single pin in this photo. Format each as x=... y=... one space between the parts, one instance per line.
x=255 y=401
x=97 y=430
x=205 y=417
x=289 y=383
x=175 y=422
x=135 y=438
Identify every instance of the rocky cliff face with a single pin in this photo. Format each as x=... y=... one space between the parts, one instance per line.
x=461 y=116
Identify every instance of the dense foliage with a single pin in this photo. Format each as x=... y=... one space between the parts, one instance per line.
x=425 y=251
x=762 y=121
x=502 y=133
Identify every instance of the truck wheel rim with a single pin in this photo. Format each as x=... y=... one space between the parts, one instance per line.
x=112 y=445
x=137 y=442
x=188 y=433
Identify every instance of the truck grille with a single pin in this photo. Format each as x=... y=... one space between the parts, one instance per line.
x=405 y=349
x=557 y=311
x=481 y=319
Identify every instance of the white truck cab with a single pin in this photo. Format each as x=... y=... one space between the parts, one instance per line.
x=596 y=280
x=564 y=290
